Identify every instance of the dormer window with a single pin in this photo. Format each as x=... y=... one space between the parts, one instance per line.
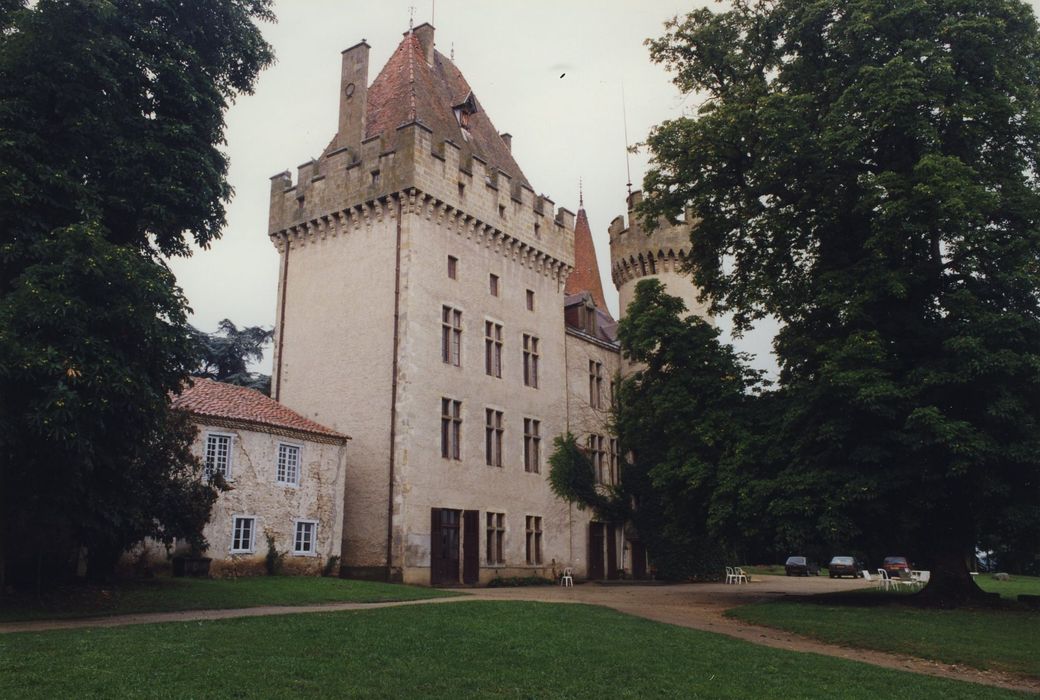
x=464 y=112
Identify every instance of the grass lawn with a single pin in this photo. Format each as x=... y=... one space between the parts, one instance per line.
x=469 y=649
x=1003 y=639
x=1010 y=589
x=170 y=594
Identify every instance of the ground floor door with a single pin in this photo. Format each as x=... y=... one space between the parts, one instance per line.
x=470 y=546
x=597 y=570
x=612 y=567
x=638 y=560
x=444 y=546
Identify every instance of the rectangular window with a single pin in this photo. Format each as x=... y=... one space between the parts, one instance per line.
x=530 y=360
x=532 y=445
x=288 y=464
x=453 y=267
x=493 y=437
x=493 y=285
x=493 y=349
x=218 y=455
x=595 y=384
x=451 y=428
x=597 y=455
x=305 y=537
x=534 y=539
x=496 y=534
x=243 y=532
x=530 y=300
x=615 y=461
x=451 y=336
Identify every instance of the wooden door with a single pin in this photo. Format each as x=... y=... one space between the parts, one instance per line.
x=470 y=546
x=612 y=570
x=596 y=570
x=638 y=560
x=444 y=546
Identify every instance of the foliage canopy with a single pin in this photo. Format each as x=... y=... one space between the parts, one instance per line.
x=865 y=171
x=111 y=122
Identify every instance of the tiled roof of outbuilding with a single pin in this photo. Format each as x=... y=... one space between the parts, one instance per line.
x=410 y=90
x=219 y=400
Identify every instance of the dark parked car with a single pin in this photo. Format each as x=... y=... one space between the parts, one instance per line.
x=895 y=566
x=844 y=566
x=800 y=566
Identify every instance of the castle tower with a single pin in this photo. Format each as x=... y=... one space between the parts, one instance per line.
x=634 y=255
x=421 y=311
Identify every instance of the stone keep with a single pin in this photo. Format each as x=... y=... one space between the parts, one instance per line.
x=416 y=176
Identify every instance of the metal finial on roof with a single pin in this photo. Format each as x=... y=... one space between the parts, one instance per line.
x=453 y=50
x=411 y=17
x=624 y=120
x=581 y=196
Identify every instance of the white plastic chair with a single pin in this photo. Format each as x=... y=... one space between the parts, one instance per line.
x=567 y=579
x=739 y=574
x=884 y=581
x=731 y=576
x=873 y=580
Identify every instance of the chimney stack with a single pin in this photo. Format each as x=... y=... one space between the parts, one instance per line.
x=353 y=96
x=424 y=33
x=508 y=139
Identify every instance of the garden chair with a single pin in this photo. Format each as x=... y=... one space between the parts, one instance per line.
x=740 y=575
x=567 y=578
x=731 y=575
x=884 y=582
x=873 y=580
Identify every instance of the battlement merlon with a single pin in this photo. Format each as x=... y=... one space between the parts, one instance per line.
x=406 y=159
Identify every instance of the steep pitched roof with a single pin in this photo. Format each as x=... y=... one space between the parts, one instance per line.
x=585 y=277
x=410 y=90
x=208 y=398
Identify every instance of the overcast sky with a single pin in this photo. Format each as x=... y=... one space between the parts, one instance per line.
x=549 y=73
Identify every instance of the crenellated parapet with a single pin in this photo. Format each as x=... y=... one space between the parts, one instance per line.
x=342 y=185
x=635 y=254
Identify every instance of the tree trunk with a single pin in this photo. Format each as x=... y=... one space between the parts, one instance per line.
x=950 y=584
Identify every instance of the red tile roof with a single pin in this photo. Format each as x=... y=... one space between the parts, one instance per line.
x=208 y=398
x=585 y=277
x=409 y=90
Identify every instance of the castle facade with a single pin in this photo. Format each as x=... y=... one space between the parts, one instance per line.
x=452 y=322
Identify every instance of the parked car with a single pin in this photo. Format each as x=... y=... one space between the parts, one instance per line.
x=844 y=566
x=896 y=565
x=800 y=566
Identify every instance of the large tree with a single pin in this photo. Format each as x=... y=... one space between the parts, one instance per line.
x=683 y=418
x=226 y=354
x=111 y=127
x=865 y=171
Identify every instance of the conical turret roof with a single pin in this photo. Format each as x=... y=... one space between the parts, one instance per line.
x=585 y=277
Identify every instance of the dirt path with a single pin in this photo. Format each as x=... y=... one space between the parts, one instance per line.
x=699 y=606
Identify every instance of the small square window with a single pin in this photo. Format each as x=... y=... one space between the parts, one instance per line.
x=502 y=210
x=453 y=267
x=305 y=537
x=375 y=178
x=243 y=534
x=493 y=285
x=537 y=230
x=530 y=300
x=462 y=190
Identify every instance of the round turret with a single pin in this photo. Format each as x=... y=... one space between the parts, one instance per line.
x=634 y=255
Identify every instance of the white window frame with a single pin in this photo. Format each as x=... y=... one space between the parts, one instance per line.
x=314 y=537
x=252 y=534
x=299 y=463
x=229 y=472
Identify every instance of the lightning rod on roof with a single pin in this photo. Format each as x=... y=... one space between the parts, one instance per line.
x=624 y=121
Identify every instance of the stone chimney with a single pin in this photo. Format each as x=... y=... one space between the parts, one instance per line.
x=424 y=33
x=508 y=140
x=353 y=97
